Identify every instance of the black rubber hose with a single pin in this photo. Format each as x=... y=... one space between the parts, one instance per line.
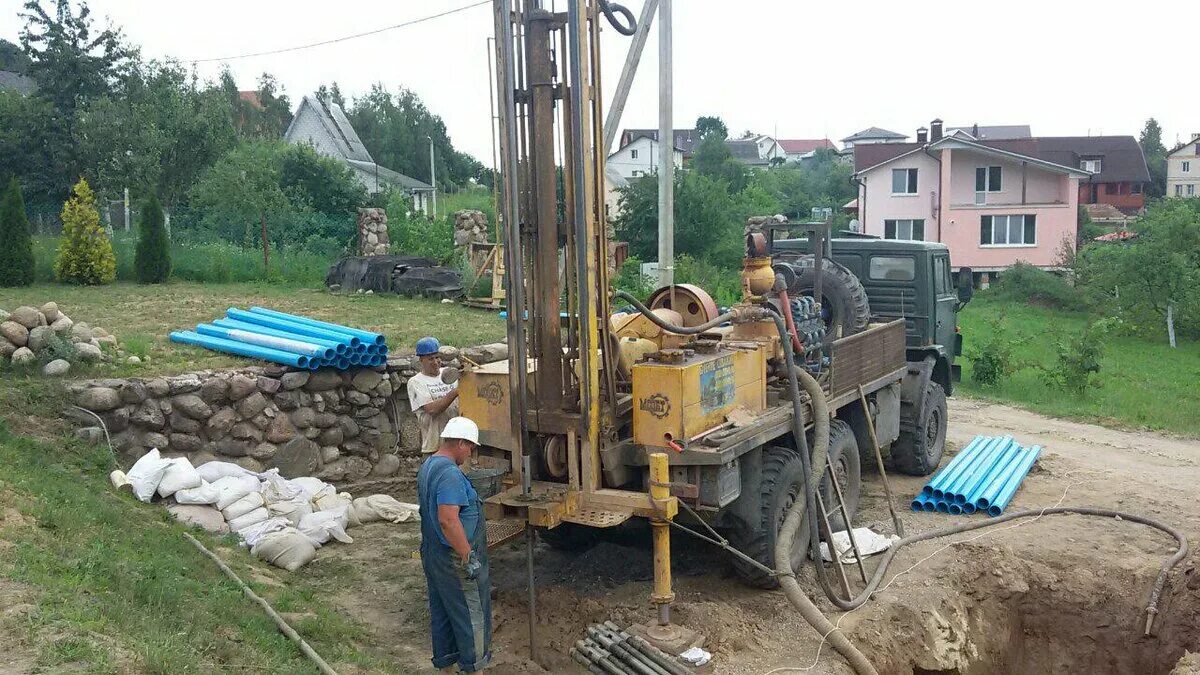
x=611 y=10
x=670 y=327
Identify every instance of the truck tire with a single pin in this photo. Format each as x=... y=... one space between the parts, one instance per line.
x=569 y=537
x=918 y=450
x=847 y=309
x=782 y=484
x=846 y=462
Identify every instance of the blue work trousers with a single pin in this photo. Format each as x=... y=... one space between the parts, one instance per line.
x=460 y=609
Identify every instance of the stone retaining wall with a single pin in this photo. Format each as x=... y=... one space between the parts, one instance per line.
x=338 y=426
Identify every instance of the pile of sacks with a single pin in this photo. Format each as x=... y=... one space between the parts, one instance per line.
x=282 y=521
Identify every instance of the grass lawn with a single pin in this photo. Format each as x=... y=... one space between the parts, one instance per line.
x=93 y=581
x=1143 y=383
x=142 y=316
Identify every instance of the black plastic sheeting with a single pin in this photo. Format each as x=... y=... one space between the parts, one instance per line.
x=411 y=276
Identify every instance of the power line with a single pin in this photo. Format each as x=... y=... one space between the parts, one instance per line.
x=344 y=38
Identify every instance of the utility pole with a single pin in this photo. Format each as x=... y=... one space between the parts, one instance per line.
x=126 y=209
x=666 y=151
x=432 y=176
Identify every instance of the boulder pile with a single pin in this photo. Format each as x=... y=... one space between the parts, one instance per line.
x=470 y=226
x=372 y=232
x=30 y=336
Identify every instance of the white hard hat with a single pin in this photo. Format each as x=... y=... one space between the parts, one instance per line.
x=461 y=428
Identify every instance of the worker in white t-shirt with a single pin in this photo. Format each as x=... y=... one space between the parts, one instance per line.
x=433 y=400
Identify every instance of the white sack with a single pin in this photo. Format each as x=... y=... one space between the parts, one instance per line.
x=205 y=517
x=243 y=506
x=180 y=475
x=233 y=488
x=381 y=507
x=252 y=534
x=214 y=471
x=332 y=501
x=322 y=526
x=288 y=549
x=311 y=486
x=243 y=521
x=869 y=543
x=276 y=488
x=206 y=493
x=292 y=509
x=147 y=473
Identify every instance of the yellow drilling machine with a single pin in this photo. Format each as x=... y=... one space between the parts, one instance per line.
x=611 y=407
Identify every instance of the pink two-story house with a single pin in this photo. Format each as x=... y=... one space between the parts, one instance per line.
x=993 y=203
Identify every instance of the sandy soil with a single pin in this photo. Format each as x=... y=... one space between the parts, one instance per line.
x=1063 y=593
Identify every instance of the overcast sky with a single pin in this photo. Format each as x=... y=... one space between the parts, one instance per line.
x=795 y=69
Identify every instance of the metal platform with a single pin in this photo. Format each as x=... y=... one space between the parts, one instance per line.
x=503 y=531
x=597 y=518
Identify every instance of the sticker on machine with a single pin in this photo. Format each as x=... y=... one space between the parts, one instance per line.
x=717 y=386
x=657 y=405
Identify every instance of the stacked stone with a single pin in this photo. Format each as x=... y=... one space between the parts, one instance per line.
x=372 y=232
x=338 y=426
x=333 y=425
x=470 y=227
x=28 y=334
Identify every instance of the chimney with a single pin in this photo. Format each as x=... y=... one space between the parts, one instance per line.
x=975 y=130
x=922 y=135
x=1196 y=137
x=935 y=131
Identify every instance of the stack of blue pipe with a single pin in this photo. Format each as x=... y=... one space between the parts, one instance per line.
x=983 y=477
x=288 y=339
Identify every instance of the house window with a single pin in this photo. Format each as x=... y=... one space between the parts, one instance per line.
x=1191 y=189
x=635 y=173
x=913 y=230
x=1136 y=189
x=1187 y=167
x=904 y=181
x=633 y=154
x=1178 y=190
x=1092 y=165
x=987 y=179
x=1018 y=230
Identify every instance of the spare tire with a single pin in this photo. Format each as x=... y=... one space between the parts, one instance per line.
x=844 y=305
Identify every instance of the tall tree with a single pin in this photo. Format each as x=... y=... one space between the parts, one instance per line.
x=1156 y=158
x=12 y=58
x=152 y=260
x=713 y=159
x=16 y=254
x=706 y=125
x=333 y=94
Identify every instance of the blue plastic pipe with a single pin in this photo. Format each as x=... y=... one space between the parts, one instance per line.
x=985 y=498
x=274 y=342
x=291 y=326
x=979 y=469
x=998 y=467
x=363 y=335
x=963 y=470
x=963 y=456
x=964 y=475
x=188 y=337
x=1014 y=482
x=343 y=362
x=339 y=347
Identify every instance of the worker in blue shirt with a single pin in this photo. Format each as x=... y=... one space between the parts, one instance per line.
x=454 y=553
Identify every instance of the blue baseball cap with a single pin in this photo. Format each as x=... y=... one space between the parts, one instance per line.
x=427 y=346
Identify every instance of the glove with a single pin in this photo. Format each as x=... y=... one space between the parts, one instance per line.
x=472 y=565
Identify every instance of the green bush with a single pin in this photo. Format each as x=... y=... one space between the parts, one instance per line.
x=992 y=360
x=152 y=262
x=1077 y=357
x=85 y=256
x=724 y=284
x=1025 y=283
x=16 y=247
x=631 y=280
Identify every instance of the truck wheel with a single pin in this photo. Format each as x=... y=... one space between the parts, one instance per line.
x=845 y=306
x=781 y=485
x=846 y=463
x=569 y=537
x=918 y=450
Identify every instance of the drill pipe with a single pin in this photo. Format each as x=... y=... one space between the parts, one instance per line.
x=585 y=662
x=601 y=657
x=664 y=660
x=614 y=644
